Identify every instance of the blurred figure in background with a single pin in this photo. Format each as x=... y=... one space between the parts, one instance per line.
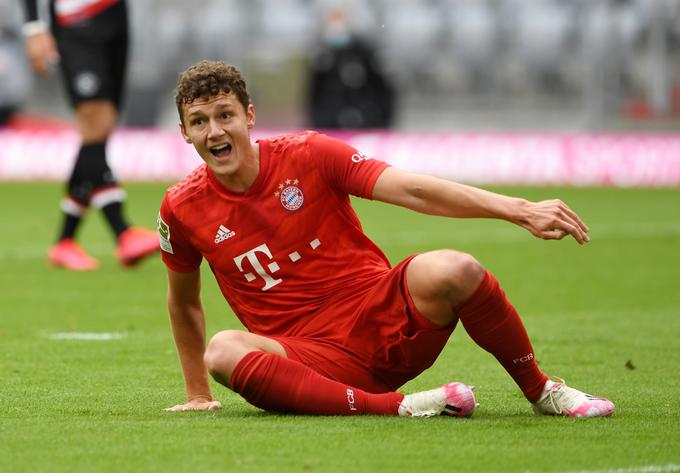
x=88 y=39
x=347 y=87
x=14 y=74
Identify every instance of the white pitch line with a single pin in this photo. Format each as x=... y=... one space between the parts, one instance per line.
x=96 y=336
x=634 y=469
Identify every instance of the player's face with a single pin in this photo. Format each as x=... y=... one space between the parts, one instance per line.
x=219 y=129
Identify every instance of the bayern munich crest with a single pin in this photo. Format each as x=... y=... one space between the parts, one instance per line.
x=290 y=196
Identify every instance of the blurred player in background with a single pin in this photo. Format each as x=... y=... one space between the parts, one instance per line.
x=14 y=74
x=347 y=87
x=333 y=329
x=88 y=39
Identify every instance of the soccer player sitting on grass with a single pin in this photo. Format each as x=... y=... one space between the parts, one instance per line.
x=333 y=329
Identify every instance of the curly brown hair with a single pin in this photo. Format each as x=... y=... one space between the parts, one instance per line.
x=209 y=78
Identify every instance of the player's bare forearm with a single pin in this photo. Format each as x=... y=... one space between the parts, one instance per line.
x=434 y=196
x=188 y=327
x=551 y=219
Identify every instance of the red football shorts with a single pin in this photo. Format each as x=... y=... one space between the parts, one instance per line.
x=382 y=341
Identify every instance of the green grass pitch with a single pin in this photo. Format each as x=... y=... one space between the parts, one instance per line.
x=606 y=317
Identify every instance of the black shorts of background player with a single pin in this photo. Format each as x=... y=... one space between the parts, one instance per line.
x=88 y=39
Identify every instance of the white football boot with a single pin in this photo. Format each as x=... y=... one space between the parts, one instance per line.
x=558 y=399
x=453 y=399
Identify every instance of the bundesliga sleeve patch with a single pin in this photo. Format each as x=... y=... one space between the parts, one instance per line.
x=164 y=235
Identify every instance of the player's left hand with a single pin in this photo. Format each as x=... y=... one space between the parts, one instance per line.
x=42 y=52
x=553 y=220
x=196 y=405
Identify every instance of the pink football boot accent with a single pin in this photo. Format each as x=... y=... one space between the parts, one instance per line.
x=134 y=244
x=560 y=399
x=453 y=399
x=69 y=255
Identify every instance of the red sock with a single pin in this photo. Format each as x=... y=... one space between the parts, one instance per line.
x=493 y=323
x=278 y=384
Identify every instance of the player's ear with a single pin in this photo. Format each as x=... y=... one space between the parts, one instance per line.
x=184 y=133
x=250 y=116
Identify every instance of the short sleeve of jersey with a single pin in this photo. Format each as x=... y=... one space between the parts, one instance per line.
x=177 y=252
x=344 y=167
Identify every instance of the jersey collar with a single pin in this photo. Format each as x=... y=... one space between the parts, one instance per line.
x=257 y=183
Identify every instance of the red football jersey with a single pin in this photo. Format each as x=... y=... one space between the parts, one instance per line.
x=289 y=245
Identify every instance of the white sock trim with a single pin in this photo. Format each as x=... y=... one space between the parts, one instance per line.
x=107 y=196
x=73 y=208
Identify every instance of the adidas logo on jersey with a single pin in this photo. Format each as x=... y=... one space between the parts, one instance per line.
x=223 y=233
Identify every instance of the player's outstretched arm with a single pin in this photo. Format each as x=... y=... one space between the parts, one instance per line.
x=188 y=328
x=548 y=219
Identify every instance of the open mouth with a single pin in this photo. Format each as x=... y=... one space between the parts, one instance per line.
x=221 y=151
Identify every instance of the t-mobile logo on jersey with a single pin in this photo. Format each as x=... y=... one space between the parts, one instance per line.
x=269 y=280
x=257 y=266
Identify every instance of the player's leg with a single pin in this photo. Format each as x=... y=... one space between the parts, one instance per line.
x=94 y=57
x=97 y=109
x=439 y=281
x=386 y=343
x=91 y=181
x=318 y=380
x=96 y=120
x=446 y=285
x=134 y=244
x=227 y=348
x=258 y=369
x=67 y=253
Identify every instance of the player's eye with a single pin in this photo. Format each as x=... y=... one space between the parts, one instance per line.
x=224 y=115
x=196 y=122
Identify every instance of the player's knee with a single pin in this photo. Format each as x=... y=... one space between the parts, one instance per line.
x=96 y=120
x=95 y=132
x=90 y=173
x=223 y=352
x=458 y=271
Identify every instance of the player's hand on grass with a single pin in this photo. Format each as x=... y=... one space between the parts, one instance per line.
x=553 y=220
x=42 y=52
x=198 y=404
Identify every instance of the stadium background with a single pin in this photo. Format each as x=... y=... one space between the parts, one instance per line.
x=538 y=91
x=457 y=64
x=555 y=69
